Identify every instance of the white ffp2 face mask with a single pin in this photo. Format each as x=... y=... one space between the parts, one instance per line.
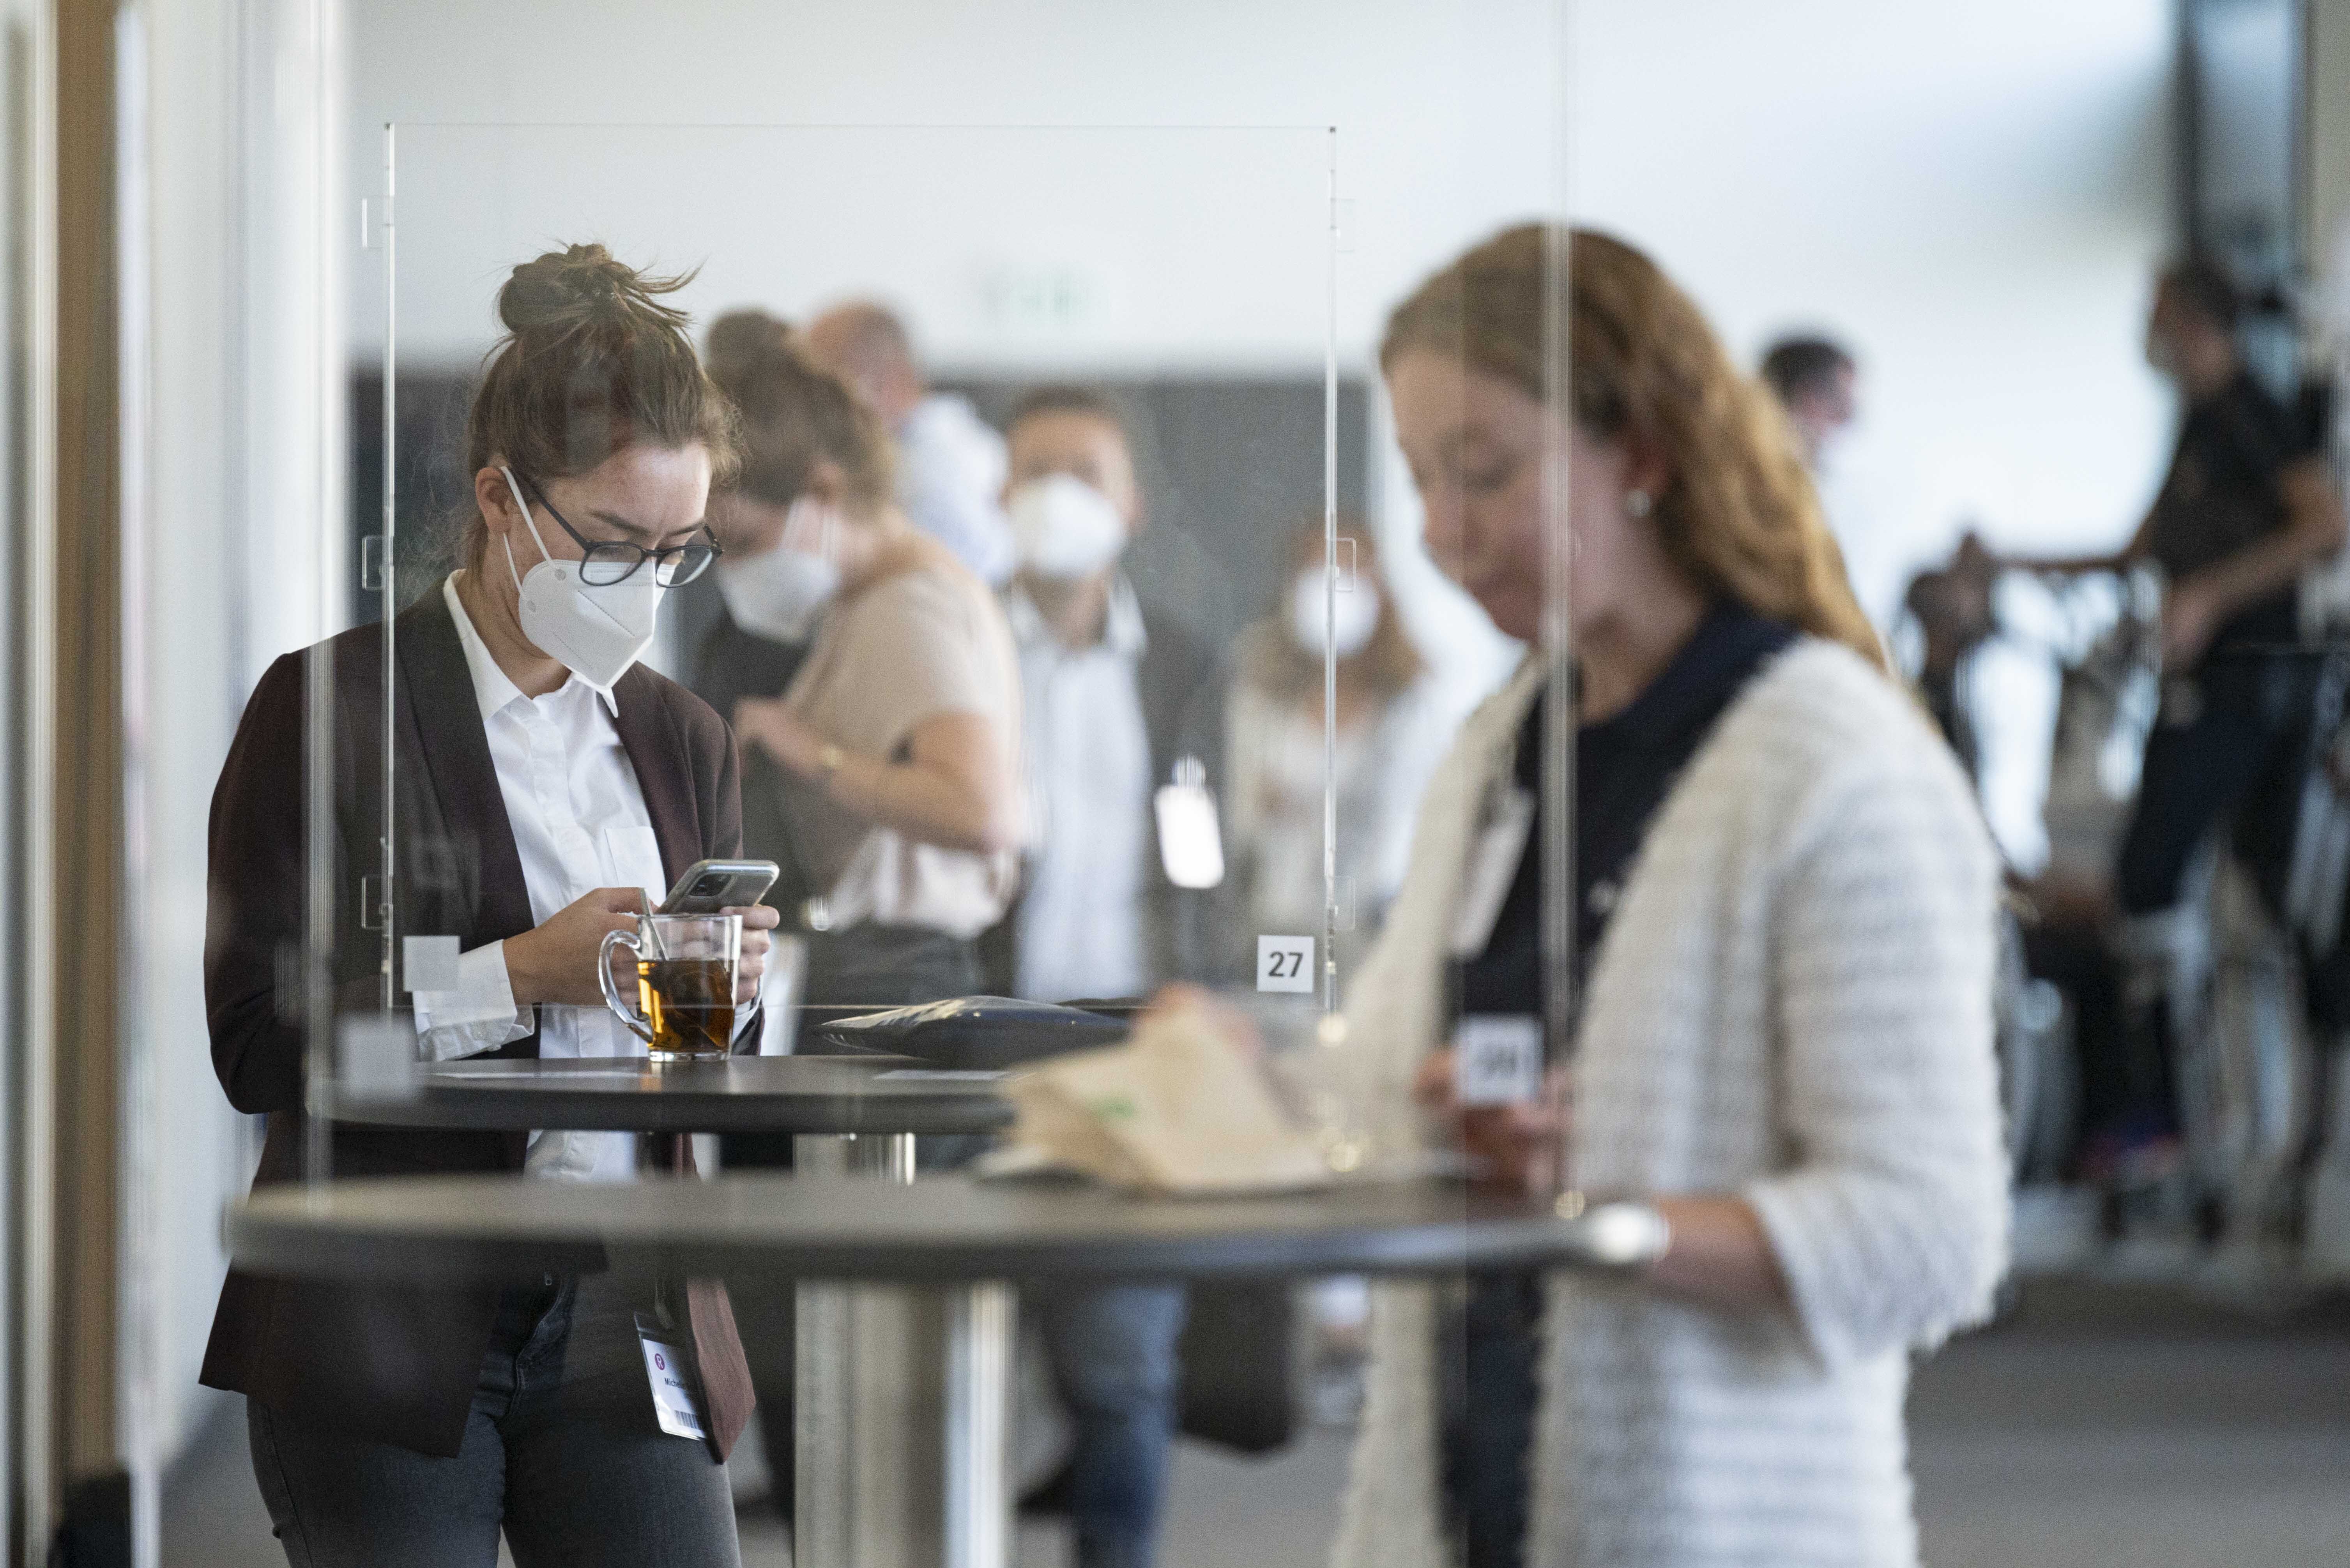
x=1345 y=630
x=779 y=592
x=1065 y=528
x=595 y=632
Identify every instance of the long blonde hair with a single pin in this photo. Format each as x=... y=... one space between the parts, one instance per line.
x=1739 y=516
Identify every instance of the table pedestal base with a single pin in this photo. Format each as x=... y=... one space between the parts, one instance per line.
x=903 y=1408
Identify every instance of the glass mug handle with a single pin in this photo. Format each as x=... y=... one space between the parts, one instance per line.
x=637 y=1026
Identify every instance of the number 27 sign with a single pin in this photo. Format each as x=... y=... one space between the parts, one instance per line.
x=1285 y=963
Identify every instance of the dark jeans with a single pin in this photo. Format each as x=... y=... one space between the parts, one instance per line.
x=561 y=1449
x=1113 y=1349
x=1488 y=1365
x=2126 y=1074
x=2250 y=711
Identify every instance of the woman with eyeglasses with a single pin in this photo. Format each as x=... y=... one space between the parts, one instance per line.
x=546 y=787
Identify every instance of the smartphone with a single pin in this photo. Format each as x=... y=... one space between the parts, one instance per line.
x=709 y=886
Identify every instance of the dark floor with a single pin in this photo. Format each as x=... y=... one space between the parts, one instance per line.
x=2097 y=1427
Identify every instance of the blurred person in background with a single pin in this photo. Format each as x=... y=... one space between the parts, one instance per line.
x=1114 y=694
x=2248 y=505
x=1390 y=736
x=884 y=778
x=950 y=461
x=1817 y=383
x=1955 y=609
x=1783 y=901
x=761 y=633
x=412 y=1424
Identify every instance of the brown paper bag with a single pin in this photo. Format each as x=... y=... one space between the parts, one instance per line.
x=1182 y=1107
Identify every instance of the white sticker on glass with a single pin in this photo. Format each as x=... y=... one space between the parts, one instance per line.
x=429 y=963
x=1285 y=963
x=1497 y=1058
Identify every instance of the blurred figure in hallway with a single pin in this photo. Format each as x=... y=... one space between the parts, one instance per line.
x=763 y=625
x=1390 y=731
x=1116 y=696
x=950 y=461
x=2248 y=505
x=1817 y=381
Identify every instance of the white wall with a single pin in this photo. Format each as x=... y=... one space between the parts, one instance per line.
x=229 y=562
x=181 y=568
x=1445 y=112
x=1972 y=196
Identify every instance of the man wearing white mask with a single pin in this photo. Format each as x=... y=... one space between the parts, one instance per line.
x=1116 y=695
x=1116 y=699
x=950 y=461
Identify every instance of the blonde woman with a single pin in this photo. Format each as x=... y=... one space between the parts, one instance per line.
x=1783 y=905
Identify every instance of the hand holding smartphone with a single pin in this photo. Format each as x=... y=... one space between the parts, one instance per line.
x=710 y=886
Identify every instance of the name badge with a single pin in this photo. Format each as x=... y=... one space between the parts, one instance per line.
x=670 y=1370
x=1492 y=867
x=1190 y=846
x=1497 y=1059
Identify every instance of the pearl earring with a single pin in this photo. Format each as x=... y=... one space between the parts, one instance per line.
x=1638 y=503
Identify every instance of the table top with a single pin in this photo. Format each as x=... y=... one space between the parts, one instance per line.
x=778 y=1228
x=736 y=1094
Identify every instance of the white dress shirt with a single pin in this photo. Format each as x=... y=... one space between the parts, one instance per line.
x=1081 y=920
x=579 y=823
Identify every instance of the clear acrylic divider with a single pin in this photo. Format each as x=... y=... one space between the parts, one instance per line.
x=1170 y=777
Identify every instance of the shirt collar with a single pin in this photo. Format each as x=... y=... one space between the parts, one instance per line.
x=492 y=690
x=1122 y=628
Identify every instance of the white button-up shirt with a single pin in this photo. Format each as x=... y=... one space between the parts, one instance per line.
x=1081 y=920
x=580 y=823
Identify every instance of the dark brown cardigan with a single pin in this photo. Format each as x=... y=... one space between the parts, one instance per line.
x=399 y=1363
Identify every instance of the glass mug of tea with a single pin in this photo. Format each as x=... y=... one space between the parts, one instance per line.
x=685 y=984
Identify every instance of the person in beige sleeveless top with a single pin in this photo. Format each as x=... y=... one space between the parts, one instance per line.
x=884 y=778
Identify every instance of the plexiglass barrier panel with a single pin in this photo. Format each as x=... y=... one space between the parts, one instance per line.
x=978 y=525
x=1013 y=578
x=954 y=519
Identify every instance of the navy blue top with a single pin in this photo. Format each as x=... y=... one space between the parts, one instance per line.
x=1624 y=767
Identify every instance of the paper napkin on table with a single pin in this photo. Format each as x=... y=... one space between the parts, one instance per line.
x=1181 y=1107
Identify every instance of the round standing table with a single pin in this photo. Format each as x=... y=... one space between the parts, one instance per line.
x=833 y=1238
x=832 y=1095
x=849 y=1115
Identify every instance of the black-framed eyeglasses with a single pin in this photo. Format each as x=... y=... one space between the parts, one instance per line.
x=604 y=562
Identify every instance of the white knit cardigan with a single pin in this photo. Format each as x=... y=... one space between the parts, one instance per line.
x=1792 y=1003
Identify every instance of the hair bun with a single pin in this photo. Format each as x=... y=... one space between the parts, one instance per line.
x=567 y=287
